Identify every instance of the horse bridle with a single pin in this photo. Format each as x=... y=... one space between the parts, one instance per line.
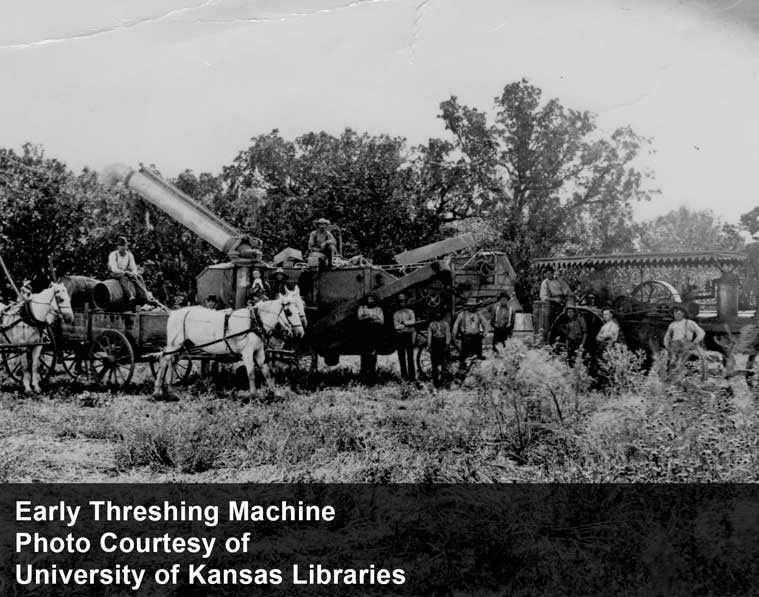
x=54 y=303
x=286 y=308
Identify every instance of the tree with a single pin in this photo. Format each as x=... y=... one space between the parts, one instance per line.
x=686 y=230
x=366 y=184
x=543 y=173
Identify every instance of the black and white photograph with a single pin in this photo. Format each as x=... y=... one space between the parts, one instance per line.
x=390 y=244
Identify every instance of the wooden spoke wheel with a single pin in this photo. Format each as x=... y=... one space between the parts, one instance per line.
x=424 y=361
x=111 y=360
x=14 y=363
x=178 y=372
x=73 y=360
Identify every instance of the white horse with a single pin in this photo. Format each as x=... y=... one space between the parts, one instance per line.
x=229 y=332
x=25 y=322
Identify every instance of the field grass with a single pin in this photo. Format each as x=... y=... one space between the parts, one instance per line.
x=519 y=416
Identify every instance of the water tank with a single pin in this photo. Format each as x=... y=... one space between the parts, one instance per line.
x=727 y=296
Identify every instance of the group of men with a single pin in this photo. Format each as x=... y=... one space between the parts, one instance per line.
x=469 y=330
x=681 y=335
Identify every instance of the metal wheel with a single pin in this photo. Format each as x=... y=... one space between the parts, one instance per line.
x=178 y=372
x=655 y=292
x=14 y=360
x=111 y=360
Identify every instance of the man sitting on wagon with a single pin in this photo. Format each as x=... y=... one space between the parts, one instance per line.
x=681 y=336
x=322 y=241
x=122 y=267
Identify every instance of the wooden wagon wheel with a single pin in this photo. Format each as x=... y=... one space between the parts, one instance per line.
x=48 y=357
x=73 y=360
x=424 y=361
x=111 y=359
x=656 y=292
x=178 y=372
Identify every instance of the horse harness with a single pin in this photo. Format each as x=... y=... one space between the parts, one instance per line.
x=22 y=313
x=256 y=326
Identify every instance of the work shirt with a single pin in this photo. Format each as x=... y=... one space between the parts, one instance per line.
x=501 y=316
x=609 y=332
x=401 y=317
x=317 y=239
x=685 y=330
x=439 y=331
x=373 y=314
x=469 y=323
x=552 y=289
x=119 y=264
x=576 y=328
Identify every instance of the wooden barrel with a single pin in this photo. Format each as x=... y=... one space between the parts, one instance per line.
x=109 y=296
x=79 y=288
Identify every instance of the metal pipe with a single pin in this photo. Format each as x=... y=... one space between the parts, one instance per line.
x=183 y=209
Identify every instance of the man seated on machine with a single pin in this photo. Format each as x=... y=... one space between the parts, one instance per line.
x=322 y=241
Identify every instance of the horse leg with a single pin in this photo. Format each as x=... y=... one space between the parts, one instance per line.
x=160 y=375
x=36 y=352
x=250 y=366
x=260 y=357
x=25 y=371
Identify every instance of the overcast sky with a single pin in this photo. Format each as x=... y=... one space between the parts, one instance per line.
x=186 y=83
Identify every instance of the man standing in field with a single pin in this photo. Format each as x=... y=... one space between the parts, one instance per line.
x=370 y=322
x=576 y=334
x=471 y=326
x=502 y=320
x=438 y=342
x=122 y=267
x=682 y=335
x=403 y=323
x=552 y=289
x=609 y=332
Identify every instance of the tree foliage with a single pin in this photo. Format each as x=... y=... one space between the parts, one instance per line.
x=366 y=184
x=544 y=174
x=687 y=230
x=539 y=177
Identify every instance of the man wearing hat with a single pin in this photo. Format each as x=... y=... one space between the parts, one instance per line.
x=681 y=334
x=123 y=268
x=438 y=343
x=404 y=320
x=321 y=240
x=576 y=334
x=471 y=326
x=371 y=319
x=553 y=289
x=502 y=320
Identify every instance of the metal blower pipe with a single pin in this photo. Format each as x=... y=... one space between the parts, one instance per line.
x=181 y=208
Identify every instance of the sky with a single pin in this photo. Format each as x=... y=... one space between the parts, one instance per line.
x=187 y=83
